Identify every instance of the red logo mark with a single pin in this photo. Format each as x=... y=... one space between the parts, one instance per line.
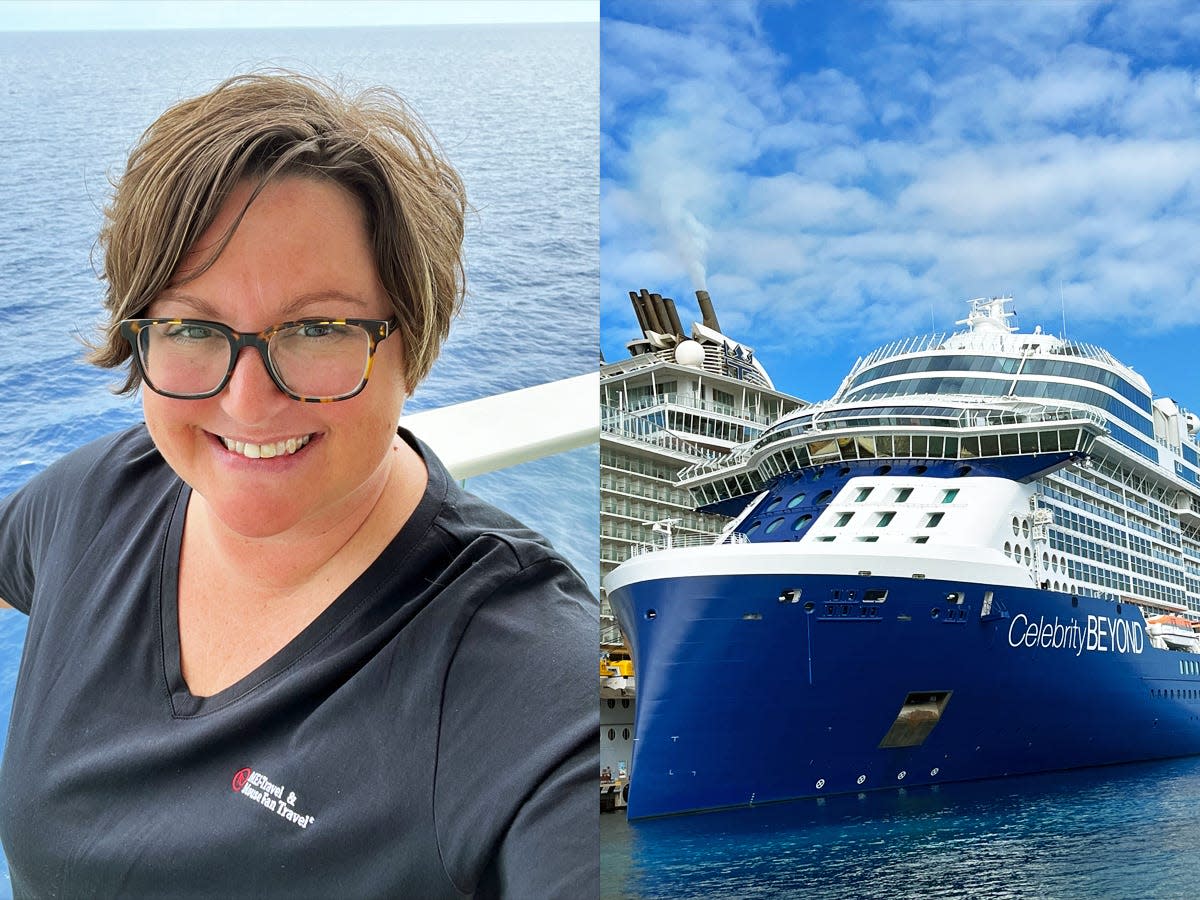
x=240 y=779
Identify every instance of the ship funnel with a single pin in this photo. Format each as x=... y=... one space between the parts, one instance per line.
x=666 y=309
x=706 y=311
x=638 y=311
x=652 y=318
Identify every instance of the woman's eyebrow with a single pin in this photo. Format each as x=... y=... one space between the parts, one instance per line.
x=294 y=307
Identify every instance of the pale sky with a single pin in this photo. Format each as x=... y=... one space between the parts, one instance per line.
x=844 y=174
x=87 y=15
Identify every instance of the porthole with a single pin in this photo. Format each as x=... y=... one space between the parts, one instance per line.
x=651 y=614
x=934 y=613
x=774 y=526
x=625 y=733
x=920 y=470
x=1016 y=527
x=843 y=471
x=796 y=501
x=774 y=504
x=1028 y=557
x=1008 y=548
x=612 y=734
x=801 y=521
x=624 y=704
x=824 y=497
x=1045 y=560
x=612 y=704
x=963 y=471
x=754 y=526
x=1025 y=528
x=883 y=470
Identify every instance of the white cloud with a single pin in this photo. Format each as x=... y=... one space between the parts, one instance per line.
x=967 y=149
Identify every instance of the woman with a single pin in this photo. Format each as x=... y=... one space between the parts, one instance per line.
x=272 y=648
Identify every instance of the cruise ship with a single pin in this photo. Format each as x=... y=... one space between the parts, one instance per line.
x=683 y=396
x=981 y=557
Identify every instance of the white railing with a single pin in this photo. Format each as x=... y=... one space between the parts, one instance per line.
x=690 y=540
x=481 y=436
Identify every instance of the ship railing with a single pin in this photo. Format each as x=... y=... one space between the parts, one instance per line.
x=965 y=419
x=688 y=540
x=480 y=436
x=638 y=429
x=691 y=401
x=1000 y=343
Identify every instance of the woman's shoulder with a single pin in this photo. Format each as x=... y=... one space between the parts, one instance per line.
x=111 y=461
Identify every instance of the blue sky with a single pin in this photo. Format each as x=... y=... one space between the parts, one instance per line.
x=86 y=15
x=840 y=175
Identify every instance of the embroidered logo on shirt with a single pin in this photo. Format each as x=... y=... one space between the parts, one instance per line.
x=259 y=788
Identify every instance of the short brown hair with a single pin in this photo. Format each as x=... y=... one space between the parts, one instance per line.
x=265 y=125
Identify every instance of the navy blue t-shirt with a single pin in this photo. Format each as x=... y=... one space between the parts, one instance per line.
x=431 y=734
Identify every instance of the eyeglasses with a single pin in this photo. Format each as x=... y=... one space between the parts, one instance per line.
x=314 y=360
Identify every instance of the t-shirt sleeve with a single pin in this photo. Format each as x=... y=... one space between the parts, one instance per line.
x=27 y=526
x=62 y=507
x=519 y=748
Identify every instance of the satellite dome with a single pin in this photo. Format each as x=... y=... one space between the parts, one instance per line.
x=689 y=353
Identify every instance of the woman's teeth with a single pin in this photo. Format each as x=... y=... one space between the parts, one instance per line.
x=266 y=451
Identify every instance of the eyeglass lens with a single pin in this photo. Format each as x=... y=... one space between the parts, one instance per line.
x=312 y=359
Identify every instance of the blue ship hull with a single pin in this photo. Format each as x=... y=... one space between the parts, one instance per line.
x=744 y=698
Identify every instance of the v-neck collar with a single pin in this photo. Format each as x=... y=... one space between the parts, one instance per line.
x=184 y=704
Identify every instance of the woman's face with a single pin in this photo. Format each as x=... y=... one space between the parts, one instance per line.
x=301 y=251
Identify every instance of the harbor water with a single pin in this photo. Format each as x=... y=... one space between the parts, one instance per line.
x=523 y=135
x=1116 y=832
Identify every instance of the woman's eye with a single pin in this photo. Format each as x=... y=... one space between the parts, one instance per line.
x=315 y=330
x=189 y=332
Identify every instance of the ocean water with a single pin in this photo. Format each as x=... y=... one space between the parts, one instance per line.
x=514 y=107
x=1127 y=831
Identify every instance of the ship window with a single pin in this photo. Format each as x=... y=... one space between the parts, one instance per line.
x=1016 y=526
x=843 y=520
x=1008 y=548
x=989 y=445
x=902 y=494
x=955 y=598
x=933 y=519
x=875 y=595
x=612 y=703
x=801 y=521
x=863 y=494
x=824 y=497
x=969 y=448
x=612 y=734
x=795 y=501
x=1028 y=556
x=826 y=538
x=870 y=539
x=774 y=505
x=754 y=526
x=922 y=539
x=1025 y=528
x=774 y=526
x=883 y=470
x=844 y=470
x=920 y=470
x=1009 y=444
x=1045 y=560
x=625 y=733
x=948 y=496
x=885 y=519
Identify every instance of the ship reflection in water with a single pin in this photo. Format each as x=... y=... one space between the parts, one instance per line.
x=1120 y=831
